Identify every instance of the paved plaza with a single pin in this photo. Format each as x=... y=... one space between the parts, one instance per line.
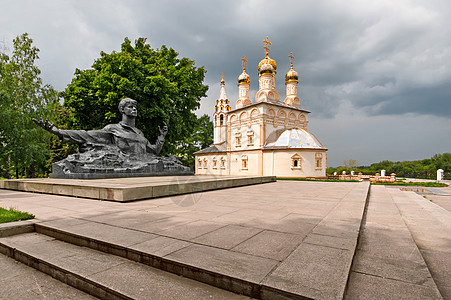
x=280 y=240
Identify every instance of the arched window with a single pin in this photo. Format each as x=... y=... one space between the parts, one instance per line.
x=238 y=139
x=215 y=163
x=223 y=163
x=250 y=138
x=221 y=120
x=205 y=163
x=318 y=161
x=244 y=162
x=199 y=165
x=296 y=161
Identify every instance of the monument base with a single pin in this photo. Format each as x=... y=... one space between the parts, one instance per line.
x=131 y=189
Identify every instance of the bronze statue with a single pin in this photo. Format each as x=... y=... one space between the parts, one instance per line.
x=117 y=150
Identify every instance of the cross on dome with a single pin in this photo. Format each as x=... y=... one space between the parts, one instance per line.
x=291 y=56
x=222 y=78
x=244 y=62
x=266 y=47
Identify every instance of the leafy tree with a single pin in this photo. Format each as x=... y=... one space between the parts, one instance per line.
x=441 y=161
x=166 y=87
x=23 y=96
x=58 y=150
x=425 y=168
x=200 y=138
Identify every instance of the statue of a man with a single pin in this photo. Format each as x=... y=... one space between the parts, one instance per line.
x=124 y=135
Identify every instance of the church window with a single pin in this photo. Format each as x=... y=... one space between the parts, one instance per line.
x=221 y=120
x=318 y=161
x=215 y=163
x=296 y=161
x=205 y=163
x=199 y=165
x=223 y=161
x=244 y=162
x=250 y=138
x=238 y=139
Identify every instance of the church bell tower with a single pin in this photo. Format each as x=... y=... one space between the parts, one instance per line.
x=222 y=107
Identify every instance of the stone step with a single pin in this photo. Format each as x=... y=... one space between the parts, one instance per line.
x=19 y=281
x=431 y=230
x=388 y=263
x=103 y=275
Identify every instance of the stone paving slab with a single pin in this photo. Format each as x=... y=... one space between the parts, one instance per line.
x=130 y=189
x=319 y=223
x=388 y=260
x=258 y=258
x=374 y=287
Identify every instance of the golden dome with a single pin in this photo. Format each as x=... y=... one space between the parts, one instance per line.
x=292 y=75
x=244 y=78
x=266 y=69
x=267 y=60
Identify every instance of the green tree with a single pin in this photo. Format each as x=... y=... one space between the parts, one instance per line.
x=201 y=137
x=166 y=87
x=58 y=150
x=441 y=161
x=23 y=96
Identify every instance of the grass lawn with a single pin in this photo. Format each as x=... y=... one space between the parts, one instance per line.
x=11 y=215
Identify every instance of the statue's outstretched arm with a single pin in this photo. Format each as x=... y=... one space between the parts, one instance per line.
x=50 y=127
x=160 y=140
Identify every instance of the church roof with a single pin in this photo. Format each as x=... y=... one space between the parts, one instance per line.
x=292 y=138
x=279 y=104
x=215 y=148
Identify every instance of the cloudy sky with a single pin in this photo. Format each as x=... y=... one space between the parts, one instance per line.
x=376 y=75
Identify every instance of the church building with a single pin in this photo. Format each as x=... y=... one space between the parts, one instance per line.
x=266 y=136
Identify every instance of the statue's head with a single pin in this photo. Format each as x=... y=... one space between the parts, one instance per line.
x=124 y=102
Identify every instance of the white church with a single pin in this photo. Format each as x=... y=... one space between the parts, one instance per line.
x=264 y=137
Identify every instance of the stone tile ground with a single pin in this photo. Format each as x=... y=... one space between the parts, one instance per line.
x=298 y=237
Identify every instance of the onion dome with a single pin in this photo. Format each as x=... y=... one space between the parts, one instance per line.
x=292 y=75
x=244 y=78
x=267 y=60
x=266 y=69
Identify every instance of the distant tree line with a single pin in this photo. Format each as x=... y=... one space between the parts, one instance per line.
x=167 y=88
x=426 y=168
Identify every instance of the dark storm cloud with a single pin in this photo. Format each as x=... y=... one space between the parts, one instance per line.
x=371 y=59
